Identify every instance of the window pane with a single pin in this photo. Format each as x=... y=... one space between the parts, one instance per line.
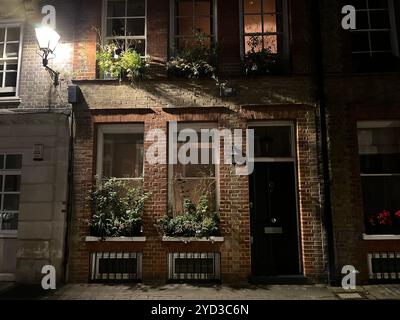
x=380 y=194
x=252 y=24
x=360 y=41
x=1 y=79
x=12 y=184
x=12 y=67
x=11 y=202
x=379 y=150
x=11 y=79
x=184 y=8
x=202 y=25
x=13 y=34
x=271 y=43
x=115 y=27
x=377 y=4
x=1 y=50
x=9 y=221
x=362 y=21
x=359 y=4
x=380 y=19
x=1 y=185
x=135 y=27
x=273 y=142
x=193 y=189
x=116 y=8
x=202 y=8
x=1 y=161
x=136 y=8
x=12 y=50
x=138 y=45
x=270 y=23
x=380 y=41
x=269 y=6
x=123 y=155
x=14 y=161
x=184 y=26
x=2 y=34
x=253 y=43
x=252 y=6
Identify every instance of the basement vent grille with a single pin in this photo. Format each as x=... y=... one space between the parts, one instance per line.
x=384 y=266
x=187 y=266
x=115 y=266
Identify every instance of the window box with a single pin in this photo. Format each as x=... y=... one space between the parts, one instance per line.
x=193 y=239
x=115 y=239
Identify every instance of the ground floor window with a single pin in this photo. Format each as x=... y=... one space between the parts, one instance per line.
x=379 y=150
x=10 y=187
x=194 y=181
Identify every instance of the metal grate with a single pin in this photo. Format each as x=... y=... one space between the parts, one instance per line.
x=115 y=267
x=384 y=266
x=191 y=266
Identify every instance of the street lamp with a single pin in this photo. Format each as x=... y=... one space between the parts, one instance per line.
x=48 y=39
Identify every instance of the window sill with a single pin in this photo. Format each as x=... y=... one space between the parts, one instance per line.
x=192 y=239
x=10 y=100
x=371 y=237
x=115 y=239
x=8 y=235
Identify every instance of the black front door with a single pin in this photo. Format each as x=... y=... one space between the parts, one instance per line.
x=274 y=223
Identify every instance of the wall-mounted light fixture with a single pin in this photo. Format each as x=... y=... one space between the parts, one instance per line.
x=48 y=39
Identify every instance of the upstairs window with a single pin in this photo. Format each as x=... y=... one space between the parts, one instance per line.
x=125 y=24
x=192 y=18
x=375 y=40
x=10 y=48
x=264 y=25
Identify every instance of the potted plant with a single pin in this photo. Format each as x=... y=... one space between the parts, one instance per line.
x=195 y=60
x=384 y=222
x=117 y=209
x=196 y=221
x=259 y=61
x=121 y=62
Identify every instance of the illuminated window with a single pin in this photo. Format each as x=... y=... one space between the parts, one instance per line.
x=125 y=24
x=192 y=18
x=10 y=47
x=264 y=25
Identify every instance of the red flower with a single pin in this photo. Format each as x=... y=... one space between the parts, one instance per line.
x=397 y=214
x=384 y=218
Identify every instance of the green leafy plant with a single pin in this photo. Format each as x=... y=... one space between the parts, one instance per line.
x=194 y=221
x=118 y=62
x=195 y=60
x=117 y=209
x=258 y=61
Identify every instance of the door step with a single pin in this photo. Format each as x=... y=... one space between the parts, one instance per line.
x=7 y=277
x=298 y=280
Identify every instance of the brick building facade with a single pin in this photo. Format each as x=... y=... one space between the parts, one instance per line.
x=287 y=100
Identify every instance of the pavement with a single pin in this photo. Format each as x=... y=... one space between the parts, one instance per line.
x=199 y=292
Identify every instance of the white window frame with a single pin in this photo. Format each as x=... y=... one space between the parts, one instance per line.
x=115 y=129
x=12 y=24
x=392 y=30
x=8 y=172
x=104 y=36
x=172 y=26
x=285 y=32
x=377 y=125
x=195 y=126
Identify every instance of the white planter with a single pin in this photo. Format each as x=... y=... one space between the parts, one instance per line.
x=381 y=237
x=193 y=239
x=116 y=239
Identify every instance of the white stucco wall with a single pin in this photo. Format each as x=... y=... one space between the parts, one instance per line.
x=43 y=198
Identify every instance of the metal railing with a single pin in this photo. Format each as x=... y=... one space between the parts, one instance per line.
x=194 y=266
x=115 y=267
x=384 y=266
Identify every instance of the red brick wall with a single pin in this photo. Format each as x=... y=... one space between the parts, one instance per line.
x=234 y=197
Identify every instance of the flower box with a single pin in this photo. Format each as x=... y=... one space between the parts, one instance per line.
x=116 y=239
x=192 y=239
